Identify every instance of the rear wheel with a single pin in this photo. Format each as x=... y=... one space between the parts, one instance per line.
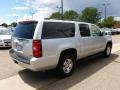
x=107 y=51
x=66 y=65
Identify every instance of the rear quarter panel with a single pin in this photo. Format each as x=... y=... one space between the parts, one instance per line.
x=53 y=47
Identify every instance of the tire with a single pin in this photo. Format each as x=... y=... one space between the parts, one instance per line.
x=66 y=65
x=107 y=51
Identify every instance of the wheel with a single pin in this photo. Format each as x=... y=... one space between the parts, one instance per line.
x=107 y=51
x=66 y=65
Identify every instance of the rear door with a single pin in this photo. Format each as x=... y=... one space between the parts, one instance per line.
x=22 y=38
x=86 y=41
x=57 y=36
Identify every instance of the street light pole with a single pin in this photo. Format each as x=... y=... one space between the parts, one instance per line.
x=32 y=13
x=105 y=6
x=16 y=17
x=62 y=12
x=59 y=10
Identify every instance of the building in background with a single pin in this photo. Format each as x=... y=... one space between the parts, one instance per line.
x=117 y=22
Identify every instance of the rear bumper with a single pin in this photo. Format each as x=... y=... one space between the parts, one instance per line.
x=35 y=64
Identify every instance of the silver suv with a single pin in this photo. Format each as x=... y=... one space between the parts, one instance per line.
x=50 y=44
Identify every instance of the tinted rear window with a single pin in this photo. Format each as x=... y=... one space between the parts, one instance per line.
x=25 y=30
x=58 y=30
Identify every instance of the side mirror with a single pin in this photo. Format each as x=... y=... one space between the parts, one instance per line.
x=102 y=33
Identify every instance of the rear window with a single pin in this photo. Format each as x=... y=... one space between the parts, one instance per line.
x=25 y=30
x=58 y=30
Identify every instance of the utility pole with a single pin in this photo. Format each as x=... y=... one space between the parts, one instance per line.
x=62 y=12
x=105 y=6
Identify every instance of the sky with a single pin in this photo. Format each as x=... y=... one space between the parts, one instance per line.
x=17 y=10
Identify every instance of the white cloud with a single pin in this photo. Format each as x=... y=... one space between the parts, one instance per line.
x=1 y=20
x=117 y=18
x=9 y=22
x=40 y=14
x=41 y=8
x=44 y=8
x=20 y=8
x=36 y=4
x=43 y=13
x=25 y=17
x=13 y=15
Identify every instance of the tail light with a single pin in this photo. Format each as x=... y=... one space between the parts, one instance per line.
x=37 y=48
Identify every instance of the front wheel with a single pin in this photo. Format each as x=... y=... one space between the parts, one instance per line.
x=66 y=65
x=107 y=51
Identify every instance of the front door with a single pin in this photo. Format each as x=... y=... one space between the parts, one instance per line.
x=87 y=47
x=99 y=41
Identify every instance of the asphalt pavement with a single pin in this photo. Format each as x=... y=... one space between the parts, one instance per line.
x=96 y=74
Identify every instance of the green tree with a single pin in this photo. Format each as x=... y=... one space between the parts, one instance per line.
x=13 y=24
x=71 y=15
x=108 y=22
x=4 y=25
x=55 y=15
x=68 y=15
x=91 y=15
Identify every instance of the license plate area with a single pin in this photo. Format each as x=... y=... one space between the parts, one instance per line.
x=19 y=47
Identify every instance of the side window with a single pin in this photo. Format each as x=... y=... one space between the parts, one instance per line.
x=58 y=30
x=84 y=30
x=95 y=30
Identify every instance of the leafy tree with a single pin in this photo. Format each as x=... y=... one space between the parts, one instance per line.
x=108 y=22
x=55 y=15
x=13 y=24
x=91 y=15
x=68 y=15
x=71 y=15
x=4 y=25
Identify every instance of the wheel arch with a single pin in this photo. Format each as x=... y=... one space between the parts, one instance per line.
x=110 y=42
x=72 y=51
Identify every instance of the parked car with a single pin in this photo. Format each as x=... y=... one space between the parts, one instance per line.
x=114 y=31
x=107 y=31
x=118 y=30
x=49 y=44
x=5 y=37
